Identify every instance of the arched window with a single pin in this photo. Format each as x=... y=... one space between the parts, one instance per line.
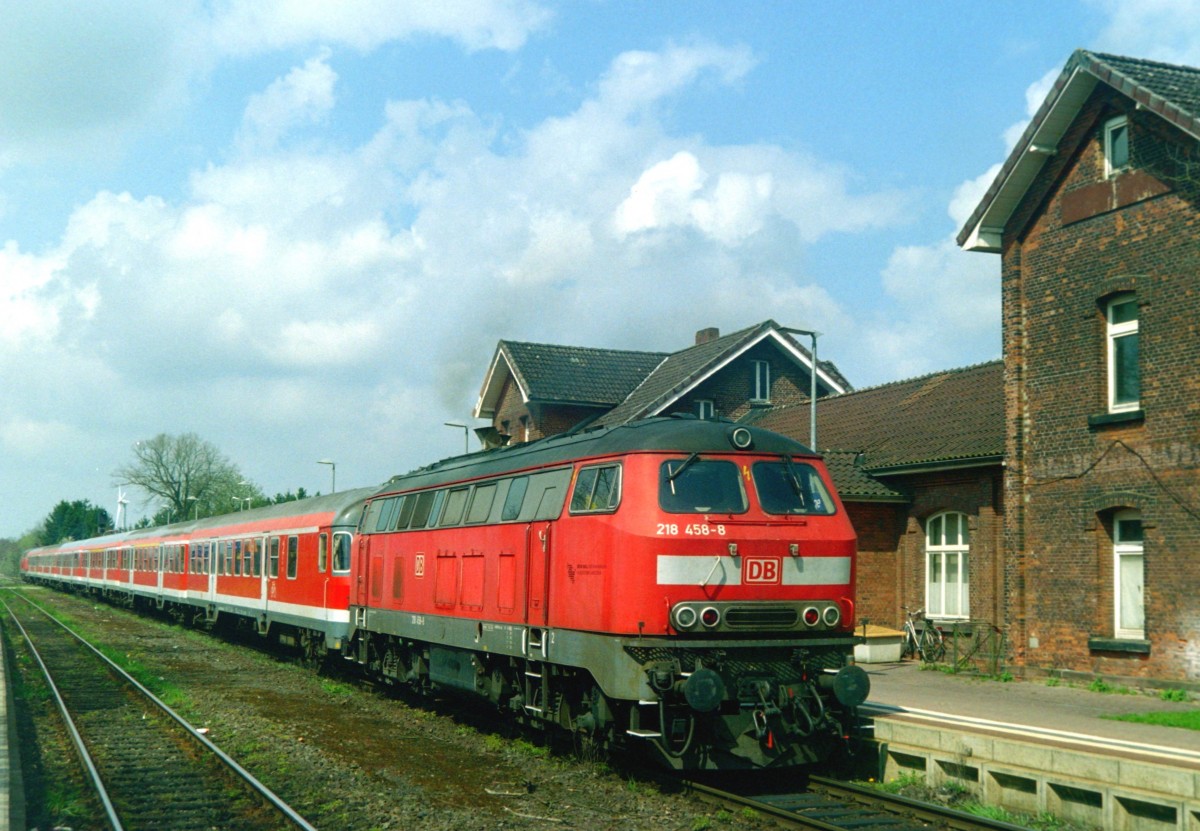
x=1129 y=573
x=947 y=544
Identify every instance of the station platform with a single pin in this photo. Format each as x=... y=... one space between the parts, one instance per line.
x=12 y=801
x=1032 y=747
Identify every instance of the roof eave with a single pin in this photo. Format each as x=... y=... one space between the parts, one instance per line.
x=984 y=231
x=936 y=465
x=493 y=384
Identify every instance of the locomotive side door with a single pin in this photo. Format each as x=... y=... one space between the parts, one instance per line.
x=358 y=572
x=537 y=545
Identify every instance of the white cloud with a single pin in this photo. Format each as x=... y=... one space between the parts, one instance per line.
x=247 y=26
x=90 y=77
x=303 y=96
x=1162 y=30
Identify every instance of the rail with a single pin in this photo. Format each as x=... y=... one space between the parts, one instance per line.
x=88 y=757
x=830 y=805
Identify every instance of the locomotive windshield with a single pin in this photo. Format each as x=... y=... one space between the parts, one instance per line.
x=697 y=486
x=789 y=487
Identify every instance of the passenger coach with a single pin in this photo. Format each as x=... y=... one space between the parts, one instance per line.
x=283 y=569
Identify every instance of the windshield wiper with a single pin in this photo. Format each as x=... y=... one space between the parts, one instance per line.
x=794 y=478
x=672 y=475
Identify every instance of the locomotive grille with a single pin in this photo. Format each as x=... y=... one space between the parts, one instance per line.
x=761 y=617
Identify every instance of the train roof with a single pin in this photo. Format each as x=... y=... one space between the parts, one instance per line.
x=678 y=433
x=344 y=505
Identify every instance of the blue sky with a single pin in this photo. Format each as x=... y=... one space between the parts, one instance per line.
x=298 y=229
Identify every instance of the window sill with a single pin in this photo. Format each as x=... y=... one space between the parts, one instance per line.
x=1109 y=419
x=1141 y=647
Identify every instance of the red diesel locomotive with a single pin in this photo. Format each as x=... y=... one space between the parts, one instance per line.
x=684 y=583
x=679 y=583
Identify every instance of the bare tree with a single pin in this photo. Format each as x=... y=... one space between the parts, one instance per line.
x=188 y=475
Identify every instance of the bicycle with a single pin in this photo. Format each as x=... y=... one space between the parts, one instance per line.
x=929 y=642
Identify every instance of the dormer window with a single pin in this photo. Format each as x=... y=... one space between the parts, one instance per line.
x=706 y=409
x=1116 y=145
x=762 y=381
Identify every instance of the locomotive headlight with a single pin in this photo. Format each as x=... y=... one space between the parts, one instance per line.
x=710 y=617
x=832 y=616
x=741 y=438
x=812 y=616
x=685 y=617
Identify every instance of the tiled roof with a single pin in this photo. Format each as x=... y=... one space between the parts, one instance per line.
x=950 y=417
x=684 y=369
x=577 y=375
x=1169 y=91
x=855 y=484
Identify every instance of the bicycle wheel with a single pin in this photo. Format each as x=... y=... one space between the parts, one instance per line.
x=933 y=645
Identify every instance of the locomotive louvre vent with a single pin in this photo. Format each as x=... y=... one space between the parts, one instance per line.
x=761 y=617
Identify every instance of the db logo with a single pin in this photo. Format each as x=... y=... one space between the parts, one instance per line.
x=762 y=570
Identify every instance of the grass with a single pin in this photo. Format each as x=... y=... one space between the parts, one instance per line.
x=959 y=797
x=1187 y=720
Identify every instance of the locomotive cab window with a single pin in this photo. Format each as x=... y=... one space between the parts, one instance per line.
x=788 y=487
x=597 y=490
x=699 y=486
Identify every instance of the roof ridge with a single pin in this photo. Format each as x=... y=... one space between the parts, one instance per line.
x=915 y=378
x=510 y=342
x=1109 y=56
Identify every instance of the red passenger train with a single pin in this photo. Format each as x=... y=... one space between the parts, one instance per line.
x=680 y=583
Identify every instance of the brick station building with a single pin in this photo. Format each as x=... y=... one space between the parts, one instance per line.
x=1095 y=217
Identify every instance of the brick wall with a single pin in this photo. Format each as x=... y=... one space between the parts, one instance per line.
x=891 y=543
x=1078 y=238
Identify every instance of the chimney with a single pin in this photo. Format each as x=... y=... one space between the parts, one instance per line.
x=706 y=335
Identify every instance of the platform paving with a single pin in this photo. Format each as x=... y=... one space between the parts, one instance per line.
x=1032 y=747
x=12 y=799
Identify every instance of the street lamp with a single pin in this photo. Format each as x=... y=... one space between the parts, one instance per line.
x=812 y=398
x=332 y=473
x=466 y=433
x=196 y=512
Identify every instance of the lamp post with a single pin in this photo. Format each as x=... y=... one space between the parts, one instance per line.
x=466 y=434
x=195 y=500
x=812 y=397
x=332 y=473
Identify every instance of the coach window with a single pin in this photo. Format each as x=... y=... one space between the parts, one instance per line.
x=597 y=490
x=237 y=558
x=273 y=559
x=293 y=558
x=947 y=546
x=1124 y=378
x=1129 y=572
x=341 y=552
x=256 y=556
x=322 y=553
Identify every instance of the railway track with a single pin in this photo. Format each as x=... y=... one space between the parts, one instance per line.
x=150 y=769
x=829 y=805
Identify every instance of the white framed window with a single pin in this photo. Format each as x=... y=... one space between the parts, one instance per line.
x=947 y=549
x=762 y=380
x=1129 y=609
x=706 y=409
x=1116 y=145
x=1124 y=378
